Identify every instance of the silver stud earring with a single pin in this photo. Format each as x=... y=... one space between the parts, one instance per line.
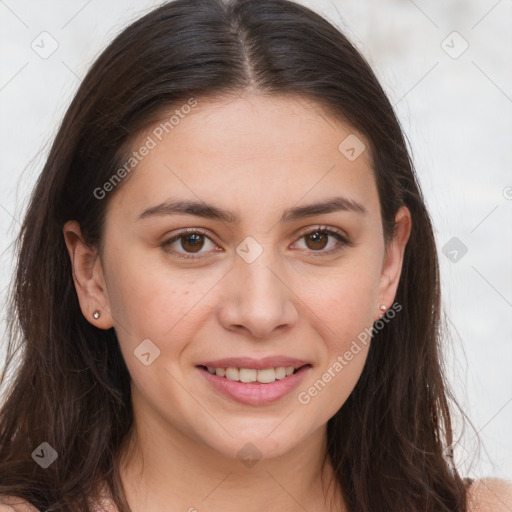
x=383 y=308
x=96 y=314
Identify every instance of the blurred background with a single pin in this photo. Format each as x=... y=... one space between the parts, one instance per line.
x=447 y=68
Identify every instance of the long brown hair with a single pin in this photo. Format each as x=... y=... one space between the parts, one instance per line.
x=71 y=387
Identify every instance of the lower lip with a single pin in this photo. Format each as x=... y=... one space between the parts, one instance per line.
x=255 y=393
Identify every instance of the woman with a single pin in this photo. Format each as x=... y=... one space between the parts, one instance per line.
x=227 y=287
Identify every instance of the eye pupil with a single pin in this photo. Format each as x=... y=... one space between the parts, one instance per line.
x=192 y=242
x=196 y=244
x=317 y=237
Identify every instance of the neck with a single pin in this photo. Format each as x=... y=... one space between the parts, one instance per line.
x=163 y=467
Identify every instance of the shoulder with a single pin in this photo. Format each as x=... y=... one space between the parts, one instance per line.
x=15 y=504
x=490 y=495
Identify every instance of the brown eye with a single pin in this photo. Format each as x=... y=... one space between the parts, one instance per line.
x=316 y=240
x=192 y=242
x=187 y=243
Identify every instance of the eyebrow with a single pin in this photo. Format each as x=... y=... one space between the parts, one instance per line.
x=208 y=211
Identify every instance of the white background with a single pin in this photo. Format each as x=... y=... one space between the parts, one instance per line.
x=456 y=112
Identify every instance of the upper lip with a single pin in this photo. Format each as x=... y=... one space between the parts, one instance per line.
x=258 y=364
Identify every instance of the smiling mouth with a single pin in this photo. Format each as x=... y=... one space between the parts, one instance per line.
x=252 y=375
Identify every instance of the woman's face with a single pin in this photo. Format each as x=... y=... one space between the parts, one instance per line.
x=256 y=283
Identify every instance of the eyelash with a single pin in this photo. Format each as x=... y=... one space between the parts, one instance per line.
x=343 y=241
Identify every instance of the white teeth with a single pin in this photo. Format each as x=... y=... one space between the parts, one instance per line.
x=232 y=373
x=247 y=375
x=266 y=376
x=280 y=372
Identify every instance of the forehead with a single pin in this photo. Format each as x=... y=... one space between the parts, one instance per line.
x=254 y=126
x=272 y=149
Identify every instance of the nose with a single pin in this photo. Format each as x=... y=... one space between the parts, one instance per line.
x=257 y=298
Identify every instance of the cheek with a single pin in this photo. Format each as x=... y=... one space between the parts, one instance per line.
x=343 y=301
x=343 y=298
x=334 y=385
x=346 y=341
x=345 y=321
x=152 y=301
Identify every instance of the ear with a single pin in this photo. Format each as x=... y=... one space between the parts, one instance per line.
x=393 y=259
x=88 y=276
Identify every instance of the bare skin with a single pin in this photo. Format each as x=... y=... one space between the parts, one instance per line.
x=485 y=495
x=256 y=157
